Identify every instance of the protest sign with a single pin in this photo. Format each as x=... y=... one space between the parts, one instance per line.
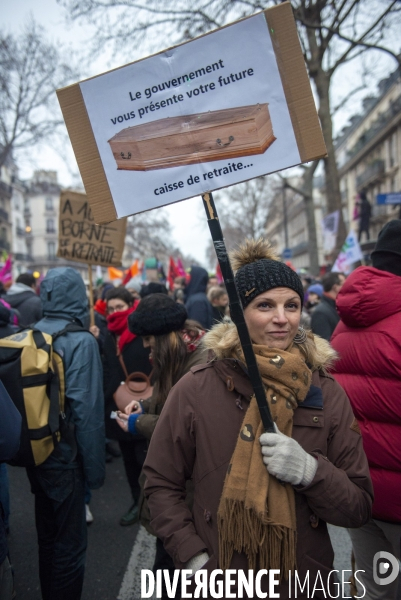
x=350 y=253
x=224 y=108
x=80 y=239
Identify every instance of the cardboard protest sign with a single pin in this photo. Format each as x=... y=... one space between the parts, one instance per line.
x=80 y=239
x=223 y=108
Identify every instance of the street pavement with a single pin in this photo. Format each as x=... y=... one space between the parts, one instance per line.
x=115 y=554
x=109 y=545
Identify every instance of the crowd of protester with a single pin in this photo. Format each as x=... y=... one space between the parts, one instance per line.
x=328 y=351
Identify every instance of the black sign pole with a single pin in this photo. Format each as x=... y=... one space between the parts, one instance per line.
x=236 y=311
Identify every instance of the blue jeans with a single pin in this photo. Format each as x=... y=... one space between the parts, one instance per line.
x=62 y=531
x=4 y=495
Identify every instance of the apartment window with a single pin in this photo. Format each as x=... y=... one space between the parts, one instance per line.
x=49 y=203
x=50 y=226
x=51 y=250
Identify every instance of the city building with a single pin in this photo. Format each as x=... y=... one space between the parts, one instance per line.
x=6 y=192
x=21 y=258
x=287 y=224
x=41 y=212
x=41 y=219
x=369 y=156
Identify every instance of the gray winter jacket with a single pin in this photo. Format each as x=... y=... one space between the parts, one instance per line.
x=64 y=301
x=26 y=302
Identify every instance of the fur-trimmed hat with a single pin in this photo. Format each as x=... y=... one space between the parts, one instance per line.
x=259 y=269
x=157 y=314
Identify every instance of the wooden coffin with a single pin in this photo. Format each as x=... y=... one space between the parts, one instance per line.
x=189 y=139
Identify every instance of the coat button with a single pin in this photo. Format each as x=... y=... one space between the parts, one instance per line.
x=315 y=419
x=314 y=521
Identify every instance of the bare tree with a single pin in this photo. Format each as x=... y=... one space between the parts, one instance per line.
x=306 y=191
x=149 y=234
x=30 y=71
x=332 y=33
x=243 y=211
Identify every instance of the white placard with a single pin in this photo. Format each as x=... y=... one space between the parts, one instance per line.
x=246 y=74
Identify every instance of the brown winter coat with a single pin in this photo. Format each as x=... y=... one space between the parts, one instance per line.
x=196 y=437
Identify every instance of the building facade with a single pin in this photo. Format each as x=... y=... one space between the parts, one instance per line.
x=41 y=219
x=41 y=212
x=6 y=192
x=287 y=226
x=369 y=157
x=20 y=252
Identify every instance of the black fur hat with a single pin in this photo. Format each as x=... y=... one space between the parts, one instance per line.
x=259 y=269
x=157 y=314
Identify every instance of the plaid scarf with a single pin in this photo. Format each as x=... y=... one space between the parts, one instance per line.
x=192 y=338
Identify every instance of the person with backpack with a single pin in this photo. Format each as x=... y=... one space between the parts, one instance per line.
x=59 y=482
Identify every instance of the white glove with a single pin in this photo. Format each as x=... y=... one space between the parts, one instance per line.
x=285 y=459
x=197 y=562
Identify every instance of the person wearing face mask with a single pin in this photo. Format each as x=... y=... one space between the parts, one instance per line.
x=261 y=500
x=121 y=346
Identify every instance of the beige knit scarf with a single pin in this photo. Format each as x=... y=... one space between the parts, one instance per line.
x=256 y=514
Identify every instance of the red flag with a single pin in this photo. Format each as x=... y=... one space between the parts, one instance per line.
x=219 y=274
x=180 y=268
x=131 y=272
x=173 y=272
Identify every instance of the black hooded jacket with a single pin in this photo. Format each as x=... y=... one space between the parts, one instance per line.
x=197 y=305
x=6 y=328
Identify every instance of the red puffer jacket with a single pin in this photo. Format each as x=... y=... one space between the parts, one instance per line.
x=368 y=339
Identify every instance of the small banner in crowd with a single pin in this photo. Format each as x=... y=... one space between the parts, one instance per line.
x=329 y=231
x=80 y=239
x=350 y=254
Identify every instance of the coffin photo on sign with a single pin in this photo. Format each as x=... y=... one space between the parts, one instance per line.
x=226 y=107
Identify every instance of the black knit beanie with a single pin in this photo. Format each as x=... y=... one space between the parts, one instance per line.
x=387 y=253
x=259 y=270
x=157 y=314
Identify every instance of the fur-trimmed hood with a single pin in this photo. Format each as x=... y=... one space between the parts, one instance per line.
x=223 y=340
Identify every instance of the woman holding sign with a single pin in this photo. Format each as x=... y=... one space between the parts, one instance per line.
x=261 y=500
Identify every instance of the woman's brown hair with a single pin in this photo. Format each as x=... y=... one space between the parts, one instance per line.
x=169 y=354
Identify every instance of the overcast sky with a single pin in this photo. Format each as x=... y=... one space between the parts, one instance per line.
x=190 y=229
